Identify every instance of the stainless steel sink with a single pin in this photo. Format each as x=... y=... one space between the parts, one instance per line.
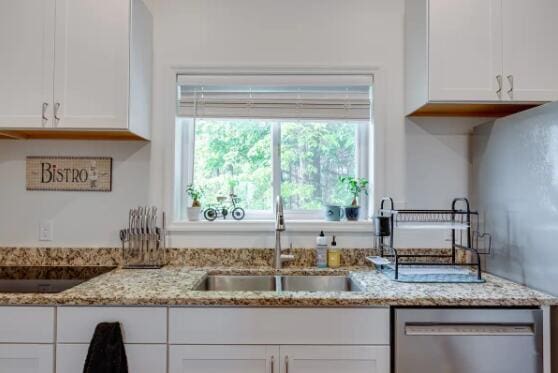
x=238 y=283
x=277 y=283
x=318 y=283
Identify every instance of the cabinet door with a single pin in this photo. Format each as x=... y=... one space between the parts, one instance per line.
x=70 y=358
x=530 y=49
x=26 y=62
x=465 y=50
x=218 y=359
x=335 y=359
x=91 y=69
x=26 y=358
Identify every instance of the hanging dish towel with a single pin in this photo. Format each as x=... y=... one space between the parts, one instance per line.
x=106 y=351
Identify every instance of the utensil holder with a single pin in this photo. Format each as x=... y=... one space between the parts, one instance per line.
x=143 y=243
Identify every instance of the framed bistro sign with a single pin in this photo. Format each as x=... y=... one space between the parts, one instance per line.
x=81 y=174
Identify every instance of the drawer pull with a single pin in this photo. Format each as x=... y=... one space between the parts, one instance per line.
x=45 y=106
x=510 y=91
x=499 y=81
x=56 y=108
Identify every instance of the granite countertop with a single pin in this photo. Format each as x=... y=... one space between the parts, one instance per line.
x=174 y=285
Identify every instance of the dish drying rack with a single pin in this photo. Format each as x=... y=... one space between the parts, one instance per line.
x=465 y=234
x=143 y=242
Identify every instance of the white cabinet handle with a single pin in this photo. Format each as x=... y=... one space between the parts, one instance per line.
x=56 y=108
x=45 y=106
x=287 y=364
x=272 y=364
x=510 y=79
x=499 y=81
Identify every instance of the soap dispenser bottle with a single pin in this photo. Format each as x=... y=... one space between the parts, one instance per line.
x=334 y=255
x=321 y=251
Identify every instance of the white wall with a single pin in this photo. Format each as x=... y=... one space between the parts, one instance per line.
x=85 y=219
x=287 y=34
x=439 y=165
x=248 y=34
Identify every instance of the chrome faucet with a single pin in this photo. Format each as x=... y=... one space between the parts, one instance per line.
x=279 y=258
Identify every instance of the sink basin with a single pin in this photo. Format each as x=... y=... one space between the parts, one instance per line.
x=45 y=279
x=277 y=283
x=318 y=283
x=238 y=283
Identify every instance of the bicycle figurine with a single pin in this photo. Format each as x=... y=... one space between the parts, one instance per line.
x=222 y=210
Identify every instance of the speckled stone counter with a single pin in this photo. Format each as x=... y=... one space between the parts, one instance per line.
x=174 y=285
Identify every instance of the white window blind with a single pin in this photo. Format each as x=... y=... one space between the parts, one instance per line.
x=275 y=96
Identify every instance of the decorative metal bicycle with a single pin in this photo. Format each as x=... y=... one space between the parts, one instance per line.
x=222 y=209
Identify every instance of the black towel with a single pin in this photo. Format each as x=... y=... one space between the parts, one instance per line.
x=106 y=351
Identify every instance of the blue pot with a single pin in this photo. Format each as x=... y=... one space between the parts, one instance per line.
x=352 y=213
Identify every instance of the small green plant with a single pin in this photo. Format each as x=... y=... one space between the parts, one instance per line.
x=195 y=193
x=354 y=186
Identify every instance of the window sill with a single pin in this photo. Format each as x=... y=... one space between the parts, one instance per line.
x=269 y=226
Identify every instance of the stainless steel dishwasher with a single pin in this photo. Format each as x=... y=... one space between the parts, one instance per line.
x=468 y=340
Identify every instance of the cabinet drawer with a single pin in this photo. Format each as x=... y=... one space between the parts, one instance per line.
x=26 y=324
x=230 y=359
x=279 y=326
x=139 y=324
x=141 y=358
x=326 y=359
x=26 y=358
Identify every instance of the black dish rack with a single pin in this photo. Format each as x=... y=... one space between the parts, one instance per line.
x=460 y=220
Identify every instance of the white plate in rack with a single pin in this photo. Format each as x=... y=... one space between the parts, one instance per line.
x=378 y=260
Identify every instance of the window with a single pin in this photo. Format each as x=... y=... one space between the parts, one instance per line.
x=261 y=136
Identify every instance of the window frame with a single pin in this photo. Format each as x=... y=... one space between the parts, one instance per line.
x=185 y=151
x=378 y=135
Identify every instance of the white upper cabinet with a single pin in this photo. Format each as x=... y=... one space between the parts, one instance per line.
x=530 y=50
x=468 y=57
x=80 y=67
x=26 y=63
x=465 y=50
x=91 y=76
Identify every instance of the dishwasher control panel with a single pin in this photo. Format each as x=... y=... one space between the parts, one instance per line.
x=468 y=329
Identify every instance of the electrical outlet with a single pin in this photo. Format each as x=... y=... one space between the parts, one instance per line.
x=45 y=230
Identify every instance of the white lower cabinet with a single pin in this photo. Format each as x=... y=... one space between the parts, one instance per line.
x=279 y=340
x=200 y=339
x=26 y=358
x=282 y=359
x=219 y=359
x=334 y=359
x=141 y=358
x=140 y=325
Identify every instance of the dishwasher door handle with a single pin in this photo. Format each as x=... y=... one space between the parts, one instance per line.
x=421 y=329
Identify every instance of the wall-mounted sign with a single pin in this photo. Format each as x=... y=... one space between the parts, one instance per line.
x=92 y=174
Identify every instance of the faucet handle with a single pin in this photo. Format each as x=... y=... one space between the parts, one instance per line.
x=287 y=257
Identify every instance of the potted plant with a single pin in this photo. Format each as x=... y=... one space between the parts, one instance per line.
x=355 y=186
x=195 y=193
